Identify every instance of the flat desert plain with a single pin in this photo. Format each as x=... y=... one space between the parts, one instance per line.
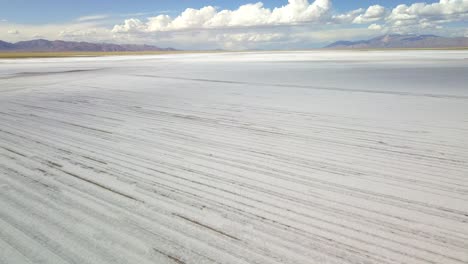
x=249 y=157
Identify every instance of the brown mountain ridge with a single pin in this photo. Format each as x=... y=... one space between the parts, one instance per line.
x=403 y=41
x=44 y=45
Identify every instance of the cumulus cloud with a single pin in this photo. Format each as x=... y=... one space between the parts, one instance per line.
x=428 y=15
x=372 y=14
x=296 y=21
x=249 y=15
x=296 y=24
x=130 y=26
x=375 y=27
x=347 y=17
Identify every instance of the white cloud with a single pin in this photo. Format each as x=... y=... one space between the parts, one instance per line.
x=347 y=17
x=428 y=15
x=372 y=14
x=246 y=40
x=250 y=37
x=130 y=26
x=13 y=32
x=77 y=33
x=52 y=32
x=249 y=15
x=92 y=18
x=375 y=27
x=297 y=24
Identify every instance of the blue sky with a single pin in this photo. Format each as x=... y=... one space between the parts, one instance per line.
x=228 y=24
x=52 y=11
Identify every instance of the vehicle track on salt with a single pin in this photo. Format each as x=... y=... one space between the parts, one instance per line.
x=231 y=158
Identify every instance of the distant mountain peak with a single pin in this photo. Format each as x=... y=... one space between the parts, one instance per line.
x=402 y=41
x=63 y=46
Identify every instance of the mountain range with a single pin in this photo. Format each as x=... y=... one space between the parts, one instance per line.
x=63 y=46
x=402 y=41
x=385 y=41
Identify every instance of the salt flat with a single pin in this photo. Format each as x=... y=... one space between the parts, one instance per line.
x=255 y=157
